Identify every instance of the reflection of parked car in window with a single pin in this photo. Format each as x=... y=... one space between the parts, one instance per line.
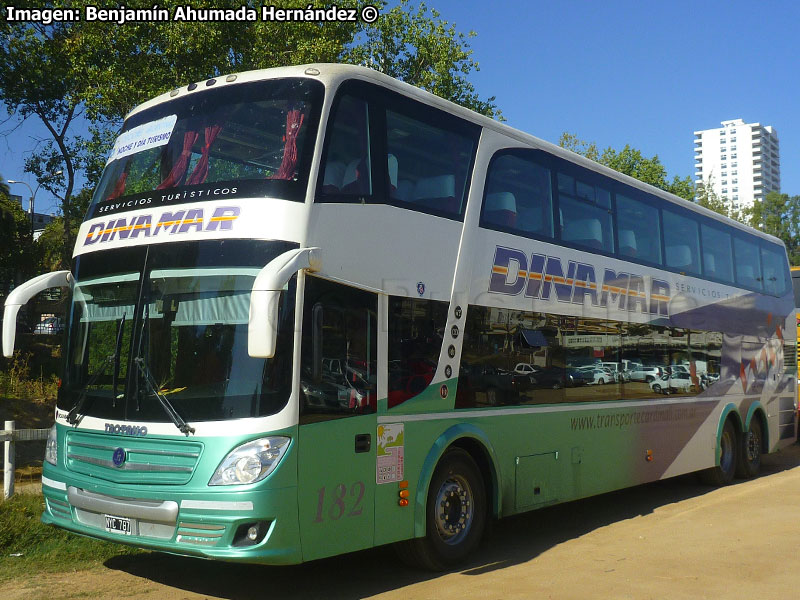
x=675 y=383
x=50 y=326
x=647 y=374
x=549 y=377
x=599 y=376
x=524 y=369
x=615 y=369
x=500 y=386
x=578 y=377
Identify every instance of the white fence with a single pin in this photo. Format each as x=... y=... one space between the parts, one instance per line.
x=11 y=436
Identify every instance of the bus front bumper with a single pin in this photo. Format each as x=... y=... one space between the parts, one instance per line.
x=254 y=526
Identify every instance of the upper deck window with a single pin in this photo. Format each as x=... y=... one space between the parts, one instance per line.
x=681 y=242
x=519 y=197
x=385 y=148
x=585 y=213
x=250 y=139
x=773 y=261
x=639 y=230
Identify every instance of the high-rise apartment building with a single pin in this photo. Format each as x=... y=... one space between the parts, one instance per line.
x=740 y=160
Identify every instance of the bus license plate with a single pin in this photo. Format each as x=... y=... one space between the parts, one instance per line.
x=118 y=525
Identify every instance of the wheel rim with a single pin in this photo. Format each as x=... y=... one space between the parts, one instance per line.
x=753 y=445
x=726 y=452
x=455 y=510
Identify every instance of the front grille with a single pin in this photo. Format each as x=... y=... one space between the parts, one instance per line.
x=202 y=534
x=147 y=460
x=59 y=509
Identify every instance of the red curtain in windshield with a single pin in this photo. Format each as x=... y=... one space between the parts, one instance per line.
x=119 y=187
x=294 y=120
x=200 y=171
x=179 y=169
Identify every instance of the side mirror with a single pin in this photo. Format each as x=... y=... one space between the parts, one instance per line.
x=20 y=297
x=262 y=325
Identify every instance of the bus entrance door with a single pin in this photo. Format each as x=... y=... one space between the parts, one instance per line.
x=336 y=487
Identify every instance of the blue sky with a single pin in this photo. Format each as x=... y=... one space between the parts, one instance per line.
x=646 y=74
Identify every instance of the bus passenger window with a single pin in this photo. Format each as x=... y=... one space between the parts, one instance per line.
x=717 y=254
x=773 y=260
x=518 y=197
x=338 y=365
x=415 y=340
x=428 y=164
x=681 y=243
x=748 y=265
x=585 y=214
x=510 y=358
x=347 y=164
x=639 y=230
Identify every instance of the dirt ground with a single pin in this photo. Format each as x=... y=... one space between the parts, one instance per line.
x=673 y=539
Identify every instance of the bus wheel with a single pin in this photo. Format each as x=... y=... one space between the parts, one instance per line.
x=750 y=451
x=455 y=515
x=728 y=454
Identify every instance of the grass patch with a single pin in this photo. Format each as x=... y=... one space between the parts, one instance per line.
x=43 y=548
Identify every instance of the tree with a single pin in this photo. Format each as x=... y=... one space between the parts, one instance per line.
x=150 y=58
x=633 y=163
x=779 y=215
x=421 y=49
x=16 y=256
x=571 y=142
x=35 y=81
x=706 y=197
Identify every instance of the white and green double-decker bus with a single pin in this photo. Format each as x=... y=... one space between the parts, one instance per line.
x=316 y=310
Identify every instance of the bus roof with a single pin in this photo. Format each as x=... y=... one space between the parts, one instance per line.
x=331 y=74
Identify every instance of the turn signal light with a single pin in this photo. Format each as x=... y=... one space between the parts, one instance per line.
x=403 y=502
x=404 y=493
x=649 y=456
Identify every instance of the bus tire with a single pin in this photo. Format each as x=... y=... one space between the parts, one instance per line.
x=723 y=473
x=749 y=463
x=455 y=515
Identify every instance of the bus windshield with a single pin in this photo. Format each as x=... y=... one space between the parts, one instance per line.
x=173 y=321
x=252 y=139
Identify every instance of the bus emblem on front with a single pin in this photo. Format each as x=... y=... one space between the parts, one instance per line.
x=118 y=457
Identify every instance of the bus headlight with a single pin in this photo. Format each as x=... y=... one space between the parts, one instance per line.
x=250 y=462
x=51 y=448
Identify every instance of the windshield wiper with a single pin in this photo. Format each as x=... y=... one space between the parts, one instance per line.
x=115 y=373
x=73 y=418
x=165 y=404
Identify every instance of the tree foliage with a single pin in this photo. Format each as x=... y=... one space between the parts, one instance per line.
x=97 y=71
x=631 y=162
x=34 y=82
x=706 y=197
x=16 y=255
x=418 y=47
x=779 y=215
